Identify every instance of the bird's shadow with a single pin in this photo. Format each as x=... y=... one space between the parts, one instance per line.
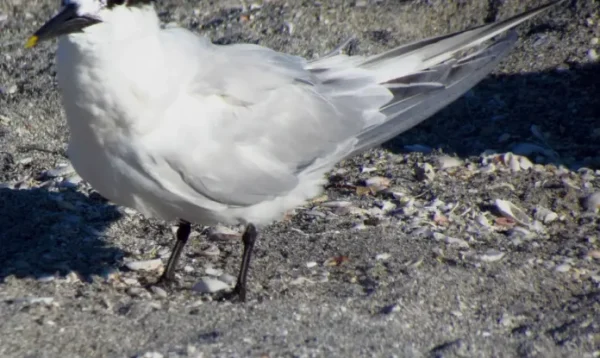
x=503 y=113
x=45 y=234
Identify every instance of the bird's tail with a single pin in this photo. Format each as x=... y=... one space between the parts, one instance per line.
x=427 y=75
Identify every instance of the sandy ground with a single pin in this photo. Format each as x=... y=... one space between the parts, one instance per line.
x=423 y=265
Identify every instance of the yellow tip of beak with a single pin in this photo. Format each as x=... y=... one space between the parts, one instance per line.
x=33 y=40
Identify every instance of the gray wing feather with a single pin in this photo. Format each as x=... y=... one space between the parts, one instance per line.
x=407 y=110
x=282 y=118
x=441 y=64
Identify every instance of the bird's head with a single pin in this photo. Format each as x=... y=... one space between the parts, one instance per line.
x=76 y=15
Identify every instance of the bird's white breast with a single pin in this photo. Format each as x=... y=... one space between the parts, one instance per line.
x=113 y=104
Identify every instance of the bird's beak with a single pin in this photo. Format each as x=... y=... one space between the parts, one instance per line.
x=66 y=22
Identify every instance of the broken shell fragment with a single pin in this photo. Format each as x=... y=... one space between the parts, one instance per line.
x=511 y=211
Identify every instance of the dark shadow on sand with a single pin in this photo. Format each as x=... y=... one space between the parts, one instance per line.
x=563 y=104
x=46 y=233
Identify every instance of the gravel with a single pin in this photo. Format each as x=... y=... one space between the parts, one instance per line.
x=474 y=234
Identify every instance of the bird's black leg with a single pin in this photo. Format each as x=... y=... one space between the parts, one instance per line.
x=183 y=233
x=249 y=238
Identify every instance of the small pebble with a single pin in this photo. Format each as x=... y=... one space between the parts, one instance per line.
x=73 y=277
x=228 y=279
x=72 y=181
x=212 y=271
x=594 y=254
x=46 y=278
x=129 y=211
x=337 y=204
x=391 y=309
x=592 y=202
x=299 y=281
x=368 y=169
x=445 y=162
x=159 y=292
x=456 y=313
x=457 y=242
x=425 y=172
x=316 y=213
x=25 y=161
x=191 y=350
x=212 y=250
x=165 y=252
x=491 y=255
x=316 y=201
x=145 y=265
x=4 y=119
x=60 y=171
x=130 y=281
x=151 y=355
x=23 y=185
x=488 y=169
x=545 y=215
x=483 y=221
x=512 y=161
x=507 y=320
x=383 y=256
x=387 y=206
x=525 y=163
x=562 y=268
x=311 y=264
x=589 y=21
x=510 y=210
x=138 y=292
x=47 y=301
x=222 y=233
x=378 y=183
x=289 y=26
x=210 y=285
x=438 y=236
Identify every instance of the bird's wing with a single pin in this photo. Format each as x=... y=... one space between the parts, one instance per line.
x=275 y=120
x=282 y=118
